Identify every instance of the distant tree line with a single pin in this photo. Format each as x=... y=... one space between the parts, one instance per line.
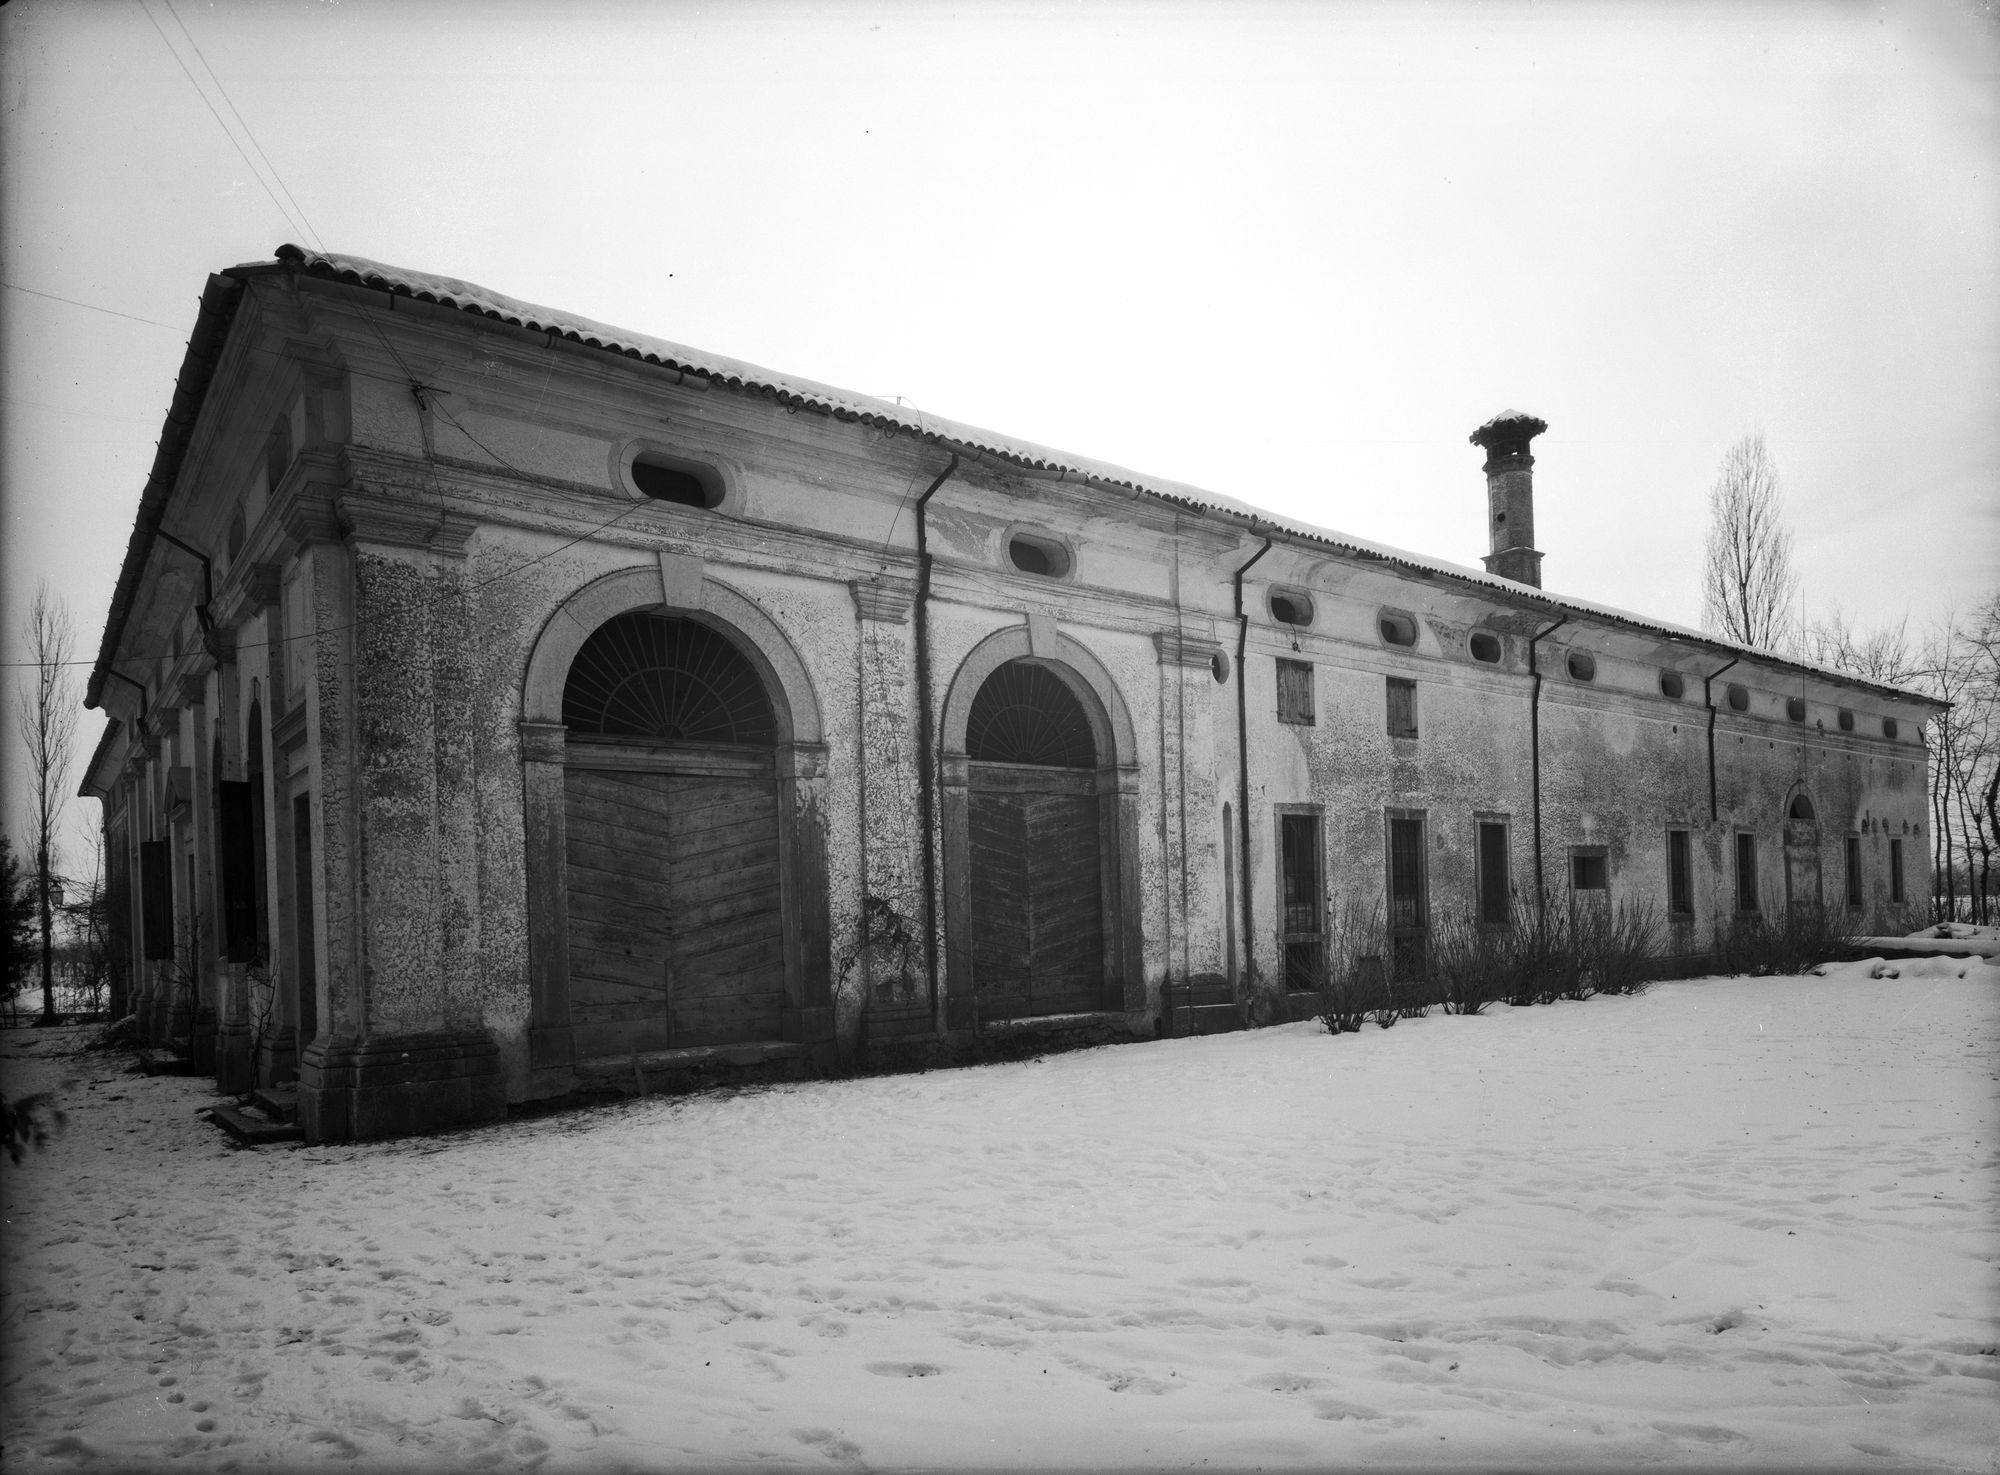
x=1750 y=594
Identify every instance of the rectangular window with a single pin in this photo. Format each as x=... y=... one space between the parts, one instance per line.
x=1295 y=692
x=1680 y=874
x=1408 y=911
x=1895 y=870
x=1589 y=870
x=236 y=838
x=1402 y=708
x=1746 y=872
x=1304 y=918
x=1495 y=909
x=156 y=899
x=1854 y=870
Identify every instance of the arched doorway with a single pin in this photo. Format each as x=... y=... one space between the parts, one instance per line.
x=671 y=840
x=1801 y=852
x=1036 y=852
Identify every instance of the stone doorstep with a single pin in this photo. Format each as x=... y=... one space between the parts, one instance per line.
x=279 y=1103
x=617 y=1069
x=1032 y=1024
x=1204 y=1019
x=252 y=1128
x=156 y=1061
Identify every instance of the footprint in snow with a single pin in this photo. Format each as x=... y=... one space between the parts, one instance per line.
x=904 y=1369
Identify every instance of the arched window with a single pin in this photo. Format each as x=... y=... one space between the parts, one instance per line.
x=1026 y=714
x=663 y=679
x=1801 y=808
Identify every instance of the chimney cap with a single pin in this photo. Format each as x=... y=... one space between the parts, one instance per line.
x=1509 y=430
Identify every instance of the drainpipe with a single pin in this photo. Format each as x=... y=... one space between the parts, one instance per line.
x=1535 y=768
x=1708 y=701
x=201 y=614
x=926 y=778
x=1243 y=767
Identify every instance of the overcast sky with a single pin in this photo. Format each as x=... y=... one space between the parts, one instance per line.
x=1291 y=253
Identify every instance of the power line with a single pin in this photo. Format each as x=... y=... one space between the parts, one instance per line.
x=164 y=41
x=223 y=93
x=73 y=302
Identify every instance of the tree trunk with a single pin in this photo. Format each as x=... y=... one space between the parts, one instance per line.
x=48 y=950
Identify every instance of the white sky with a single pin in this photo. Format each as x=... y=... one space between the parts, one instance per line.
x=1291 y=253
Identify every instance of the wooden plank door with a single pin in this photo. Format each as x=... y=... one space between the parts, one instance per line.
x=676 y=934
x=1037 y=891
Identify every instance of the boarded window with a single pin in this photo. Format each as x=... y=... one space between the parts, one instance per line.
x=1854 y=870
x=1746 y=872
x=156 y=898
x=1304 y=900
x=1408 y=911
x=1295 y=692
x=1495 y=908
x=1680 y=874
x=1402 y=707
x=1896 y=870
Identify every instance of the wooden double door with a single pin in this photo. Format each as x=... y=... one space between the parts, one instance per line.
x=1037 y=882
x=676 y=917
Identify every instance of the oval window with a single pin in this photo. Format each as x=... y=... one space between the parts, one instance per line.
x=1290 y=607
x=1795 y=708
x=1671 y=685
x=1739 y=698
x=664 y=480
x=1889 y=727
x=1486 y=647
x=1042 y=556
x=1218 y=666
x=1398 y=629
x=1846 y=720
x=1582 y=665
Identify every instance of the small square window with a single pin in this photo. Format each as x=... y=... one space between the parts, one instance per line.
x=1295 y=692
x=1402 y=708
x=1589 y=870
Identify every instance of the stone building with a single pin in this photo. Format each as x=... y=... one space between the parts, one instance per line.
x=503 y=704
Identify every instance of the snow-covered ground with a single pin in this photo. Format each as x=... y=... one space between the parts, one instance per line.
x=1730 y=1222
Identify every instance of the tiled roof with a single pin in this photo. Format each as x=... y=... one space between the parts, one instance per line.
x=845 y=404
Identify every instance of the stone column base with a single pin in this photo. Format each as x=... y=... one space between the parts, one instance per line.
x=235 y=1063
x=391 y=1085
x=201 y=1040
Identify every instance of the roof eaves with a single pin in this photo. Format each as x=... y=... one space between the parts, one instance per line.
x=479 y=301
x=219 y=301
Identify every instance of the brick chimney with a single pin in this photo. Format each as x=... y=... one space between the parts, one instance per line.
x=1510 y=495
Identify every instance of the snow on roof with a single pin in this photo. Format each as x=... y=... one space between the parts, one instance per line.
x=470 y=297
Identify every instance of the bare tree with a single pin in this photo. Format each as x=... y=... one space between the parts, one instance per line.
x=1749 y=588
x=48 y=712
x=1883 y=655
